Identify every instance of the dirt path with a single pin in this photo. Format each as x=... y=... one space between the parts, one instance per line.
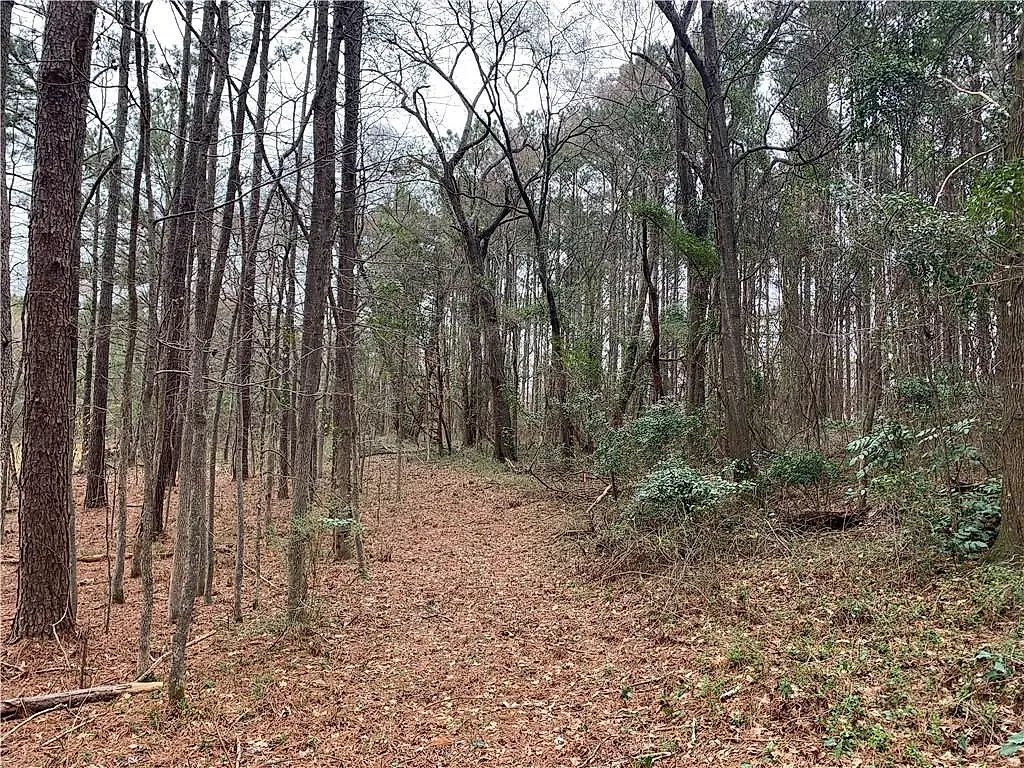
x=473 y=642
x=478 y=644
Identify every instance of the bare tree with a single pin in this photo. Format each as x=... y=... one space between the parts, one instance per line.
x=6 y=335
x=318 y=274
x=479 y=199
x=96 y=474
x=344 y=448
x=125 y=448
x=739 y=437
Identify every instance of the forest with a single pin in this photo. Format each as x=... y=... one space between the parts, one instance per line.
x=521 y=382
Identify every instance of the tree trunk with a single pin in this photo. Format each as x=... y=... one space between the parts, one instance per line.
x=1010 y=373
x=630 y=358
x=734 y=363
x=190 y=154
x=493 y=349
x=47 y=591
x=192 y=497
x=142 y=562
x=559 y=367
x=248 y=278
x=125 y=433
x=654 y=315
x=318 y=273
x=188 y=547
x=344 y=378
x=734 y=366
x=90 y=332
x=6 y=335
x=95 y=451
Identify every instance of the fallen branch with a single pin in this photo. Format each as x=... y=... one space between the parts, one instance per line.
x=68 y=731
x=598 y=500
x=140 y=679
x=540 y=480
x=29 y=705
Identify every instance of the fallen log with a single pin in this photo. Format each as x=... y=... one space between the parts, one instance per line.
x=97 y=558
x=28 y=705
x=157 y=555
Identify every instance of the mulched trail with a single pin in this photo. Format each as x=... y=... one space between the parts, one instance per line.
x=475 y=641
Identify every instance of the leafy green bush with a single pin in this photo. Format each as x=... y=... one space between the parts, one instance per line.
x=801 y=467
x=884 y=449
x=676 y=490
x=661 y=430
x=924 y=396
x=931 y=476
x=807 y=471
x=611 y=452
x=973 y=521
x=664 y=511
x=664 y=426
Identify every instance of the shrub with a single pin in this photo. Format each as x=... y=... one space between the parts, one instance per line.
x=800 y=467
x=675 y=490
x=674 y=515
x=972 y=524
x=661 y=430
x=931 y=475
x=885 y=448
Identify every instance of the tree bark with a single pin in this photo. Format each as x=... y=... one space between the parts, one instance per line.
x=492 y=346
x=653 y=313
x=47 y=591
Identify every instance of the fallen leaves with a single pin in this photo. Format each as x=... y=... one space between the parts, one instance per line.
x=477 y=642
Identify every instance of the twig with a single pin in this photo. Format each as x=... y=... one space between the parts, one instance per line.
x=952 y=173
x=26 y=721
x=261 y=577
x=726 y=695
x=541 y=481
x=66 y=732
x=968 y=92
x=67 y=661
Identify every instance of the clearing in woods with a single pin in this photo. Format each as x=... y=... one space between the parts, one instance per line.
x=484 y=637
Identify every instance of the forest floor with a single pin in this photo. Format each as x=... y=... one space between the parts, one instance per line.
x=488 y=633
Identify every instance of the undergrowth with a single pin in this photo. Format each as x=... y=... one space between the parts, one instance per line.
x=893 y=642
x=850 y=643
